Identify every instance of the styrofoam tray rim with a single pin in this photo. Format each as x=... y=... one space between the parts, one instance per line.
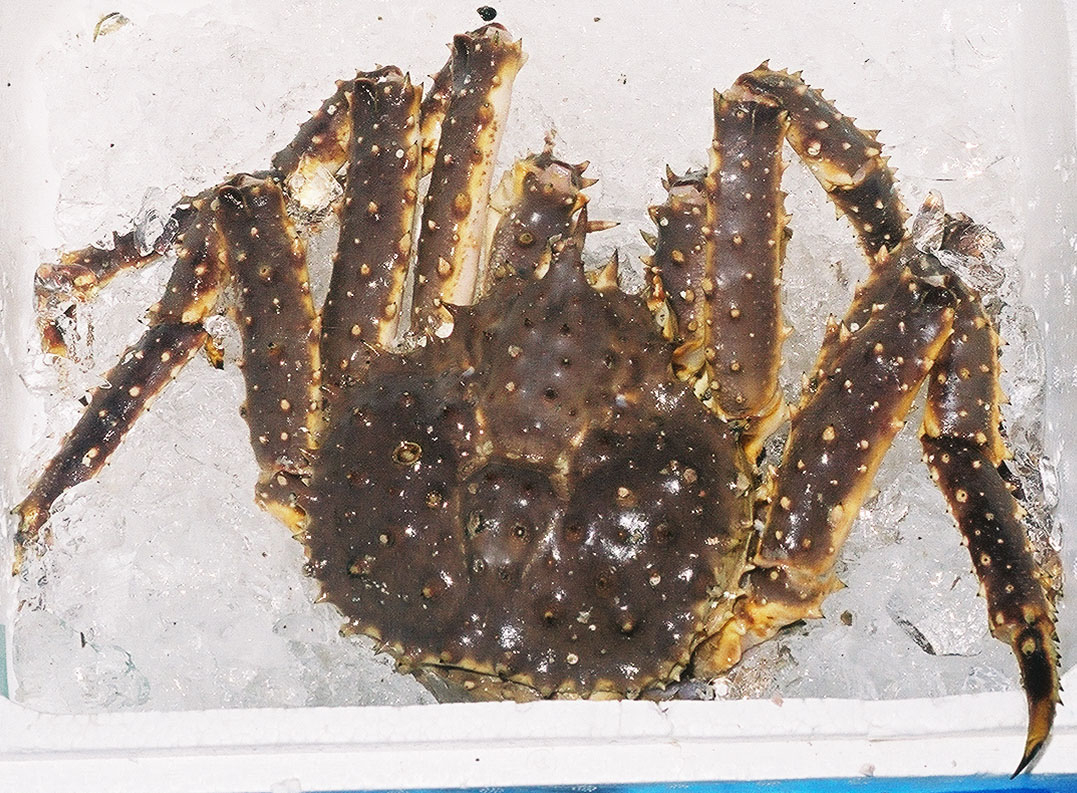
x=861 y=734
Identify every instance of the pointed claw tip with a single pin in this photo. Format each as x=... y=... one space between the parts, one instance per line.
x=1032 y=750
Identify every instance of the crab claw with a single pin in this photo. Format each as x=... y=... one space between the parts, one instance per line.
x=1037 y=657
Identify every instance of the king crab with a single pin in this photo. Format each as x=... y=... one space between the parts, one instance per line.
x=543 y=496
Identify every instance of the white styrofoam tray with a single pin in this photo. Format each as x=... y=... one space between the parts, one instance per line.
x=655 y=48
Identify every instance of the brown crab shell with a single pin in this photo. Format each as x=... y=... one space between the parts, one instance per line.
x=534 y=498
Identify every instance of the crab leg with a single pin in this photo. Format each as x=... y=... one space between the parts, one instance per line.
x=1020 y=615
x=836 y=443
x=244 y=231
x=380 y=194
x=175 y=335
x=143 y=372
x=678 y=270
x=846 y=160
x=875 y=291
x=484 y=66
x=81 y=274
x=320 y=149
x=306 y=165
x=716 y=269
x=277 y=324
x=963 y=449
x=747 y=220
x=849 y=165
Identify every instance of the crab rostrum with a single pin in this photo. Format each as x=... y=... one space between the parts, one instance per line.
x=532 y=488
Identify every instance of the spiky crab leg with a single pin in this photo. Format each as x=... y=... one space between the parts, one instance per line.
x=242 y=236
x=309 y=163
x=847 y=160
x=318 y=151
x=455 y=209
x=715 y=276
x=366 y=291
x=278 y=329
x=81 y=274
x=815 y=498
x=239 y=234
x=144 y=369
x=836 y=443
x=964 y=451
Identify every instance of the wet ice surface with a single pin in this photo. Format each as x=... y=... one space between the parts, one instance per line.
x=166 y=588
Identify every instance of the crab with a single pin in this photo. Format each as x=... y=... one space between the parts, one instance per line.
x=520 y=480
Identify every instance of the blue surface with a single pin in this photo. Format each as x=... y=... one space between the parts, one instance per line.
x=935 y=784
